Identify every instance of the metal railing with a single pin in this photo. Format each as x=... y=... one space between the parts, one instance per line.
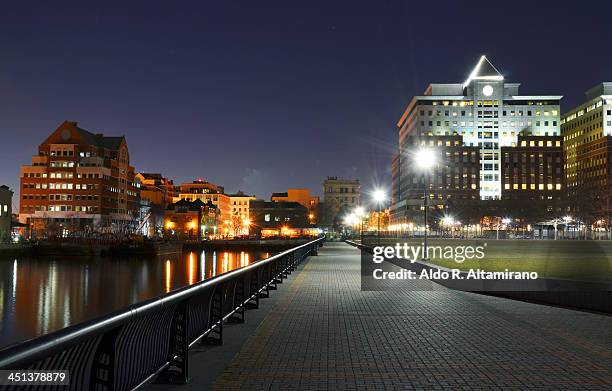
x=151 y=339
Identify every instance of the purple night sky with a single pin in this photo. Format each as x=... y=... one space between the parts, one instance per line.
x=262 y=96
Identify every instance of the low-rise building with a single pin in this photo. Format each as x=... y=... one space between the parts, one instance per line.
x=156 y=193
x=240 y=219
x=191 y=220
x=302 y=197
x=155 y=188
x=339 y=197
x=205 y=192
x=6 y=202
x=281 y=218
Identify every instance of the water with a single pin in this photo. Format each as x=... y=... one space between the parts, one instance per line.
x=43 y=294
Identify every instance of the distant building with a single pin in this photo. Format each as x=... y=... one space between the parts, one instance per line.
x=191 y=220
x=302 y=197
x=587 y=146
x=340 y=196
x=240 y=219
x=79 y=181
x=155 y=188
x=205 y=192
x=282 y=218
x=6 y=202
x=533 y=179
x=156 y=193
x=493 y=146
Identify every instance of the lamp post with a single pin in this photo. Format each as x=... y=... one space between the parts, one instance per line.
x=359 y=213
x=425 y=159
x=566 y=219
x=379 y=198
x=504 y=221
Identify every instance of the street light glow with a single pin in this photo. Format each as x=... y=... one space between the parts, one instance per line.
x=379 y=196
x=425 y=158
x=359 y=211
x=448 y=220
x=506 y=221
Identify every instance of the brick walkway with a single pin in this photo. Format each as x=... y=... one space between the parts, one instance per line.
x=325 y=333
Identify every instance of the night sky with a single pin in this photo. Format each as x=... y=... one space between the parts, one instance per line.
x=262 y=96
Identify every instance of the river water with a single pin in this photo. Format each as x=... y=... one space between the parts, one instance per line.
x=43 y=294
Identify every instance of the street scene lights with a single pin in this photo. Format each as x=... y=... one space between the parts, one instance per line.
x=505 y=221
x=379 y=197
x=359 y=212
x=425 y=159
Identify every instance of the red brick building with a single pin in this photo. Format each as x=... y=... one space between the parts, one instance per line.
x=79 y=181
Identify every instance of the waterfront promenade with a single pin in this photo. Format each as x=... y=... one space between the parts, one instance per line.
x=320 y=331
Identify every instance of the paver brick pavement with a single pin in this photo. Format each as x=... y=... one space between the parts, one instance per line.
x=326 y=333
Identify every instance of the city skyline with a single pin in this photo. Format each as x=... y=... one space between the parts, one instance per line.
x=197 y=80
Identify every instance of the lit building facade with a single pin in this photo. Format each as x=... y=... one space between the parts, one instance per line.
x=339 y=196
x=587 y=141
x=302 y=197
x=280 y=218
x=155 y=188
x=240 y=215
x=79 y=181
x=156 y=193
x=472 y=127
x=191 y=220
x=206 y=191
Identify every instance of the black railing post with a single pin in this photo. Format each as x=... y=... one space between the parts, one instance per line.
x=239 y=298
x=177 y=371
x=103 y=366
x=291 y=262
x=254 y=290
x=215 y=336
x=265 y=282
x=274 y=275
x=284 y=267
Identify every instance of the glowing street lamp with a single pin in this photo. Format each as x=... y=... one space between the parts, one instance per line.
x=359 y=211
x=449 y=222
x=425 y=159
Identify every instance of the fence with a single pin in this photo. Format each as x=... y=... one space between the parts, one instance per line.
x=151 y=339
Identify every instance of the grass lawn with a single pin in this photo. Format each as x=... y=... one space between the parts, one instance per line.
x=578 y=260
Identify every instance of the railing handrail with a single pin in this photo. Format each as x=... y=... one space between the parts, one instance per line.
x=59 y=340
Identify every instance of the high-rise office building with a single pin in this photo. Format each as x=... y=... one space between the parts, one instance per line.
x=474 y=129
x=587 y=144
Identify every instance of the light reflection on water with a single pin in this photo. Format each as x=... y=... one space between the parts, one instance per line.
x=40 y=295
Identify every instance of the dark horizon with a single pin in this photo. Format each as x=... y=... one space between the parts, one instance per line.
x=264 y=99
